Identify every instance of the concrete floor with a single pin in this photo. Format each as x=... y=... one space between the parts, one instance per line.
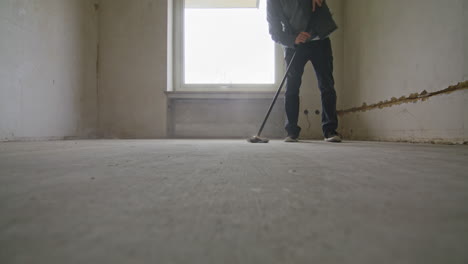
x=204 y=202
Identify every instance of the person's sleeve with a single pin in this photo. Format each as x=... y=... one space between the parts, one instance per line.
x=276 y=27
x=322 y=22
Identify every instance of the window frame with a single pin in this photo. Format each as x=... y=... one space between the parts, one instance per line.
x=179 y=63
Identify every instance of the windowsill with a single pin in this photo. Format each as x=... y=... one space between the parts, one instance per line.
x=221 y=94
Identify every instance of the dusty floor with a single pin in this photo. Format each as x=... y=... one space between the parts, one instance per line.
x=232 y=202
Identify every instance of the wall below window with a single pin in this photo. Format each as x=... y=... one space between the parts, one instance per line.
x=224 y=118
x=396 y=49
x=48 y=52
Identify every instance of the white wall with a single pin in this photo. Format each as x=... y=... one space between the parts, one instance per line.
x=47 y=69
x=133 y=68
x=396 y=48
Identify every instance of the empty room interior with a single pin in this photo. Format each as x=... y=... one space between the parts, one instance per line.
x=174 y=131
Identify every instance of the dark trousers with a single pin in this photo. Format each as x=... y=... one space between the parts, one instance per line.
x=320 y=54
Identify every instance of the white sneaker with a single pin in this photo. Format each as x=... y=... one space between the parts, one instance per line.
x=333 y=137
x=291 y=140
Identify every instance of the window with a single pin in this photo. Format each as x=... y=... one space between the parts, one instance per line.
x=224 y=45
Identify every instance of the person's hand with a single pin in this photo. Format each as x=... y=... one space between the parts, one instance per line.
x=302 y=37
x=316 y=3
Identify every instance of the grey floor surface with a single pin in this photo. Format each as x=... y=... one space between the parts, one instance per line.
x=187 y=201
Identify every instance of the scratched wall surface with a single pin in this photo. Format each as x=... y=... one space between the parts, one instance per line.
x=48 y=51
x=398 y=48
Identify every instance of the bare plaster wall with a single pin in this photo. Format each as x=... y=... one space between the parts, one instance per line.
x=132 y=68
x=49 y=86
x=398 y=48
x=47 y=69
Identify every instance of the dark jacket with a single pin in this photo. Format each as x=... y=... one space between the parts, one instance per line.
x=287 y=18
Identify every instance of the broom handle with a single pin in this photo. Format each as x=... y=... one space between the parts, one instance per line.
x=277 y=93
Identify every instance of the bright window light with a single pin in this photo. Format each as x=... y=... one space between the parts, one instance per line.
x=228 y=46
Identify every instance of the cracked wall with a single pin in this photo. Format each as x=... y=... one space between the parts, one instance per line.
x=400 y=51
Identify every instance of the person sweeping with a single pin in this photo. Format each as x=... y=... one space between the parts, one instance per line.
x=303 y=28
